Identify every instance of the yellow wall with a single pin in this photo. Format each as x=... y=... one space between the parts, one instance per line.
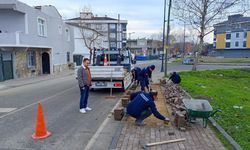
x=248 y=39
x=221 y=39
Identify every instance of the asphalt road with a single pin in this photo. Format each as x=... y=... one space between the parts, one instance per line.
x=60 y=99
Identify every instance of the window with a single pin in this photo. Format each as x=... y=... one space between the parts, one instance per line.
x=112 y=35
x=113 y=44
x=123 y=35
x=245 y=34
x=236 y=44
x=68 y=56
x=42 y=30
x=113 y=57
x=98 y=27
x=31 y=59
x=60 y=29
x=227 y=44
x=244 y=44
x=228 y=36
x=124 y=27
x=112 y=26
x=154 y=51
x=237 y=35
x=67 y=34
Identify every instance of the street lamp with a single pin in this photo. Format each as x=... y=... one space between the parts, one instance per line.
x=129 y=35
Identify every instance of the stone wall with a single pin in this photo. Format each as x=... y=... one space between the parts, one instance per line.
x=60 y=68
x=22 y=70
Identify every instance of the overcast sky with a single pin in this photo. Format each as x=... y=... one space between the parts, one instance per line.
x=145 y=17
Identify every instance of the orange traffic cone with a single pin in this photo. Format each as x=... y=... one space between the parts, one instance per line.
x=105 y=60
x=41 y=131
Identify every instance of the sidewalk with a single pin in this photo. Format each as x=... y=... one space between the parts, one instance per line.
x=197 y=137
x=131 y=137
x=25 y=81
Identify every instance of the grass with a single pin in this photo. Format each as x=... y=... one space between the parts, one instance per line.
x=228 y=90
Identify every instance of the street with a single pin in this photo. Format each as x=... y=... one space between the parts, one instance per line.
x=60 y=99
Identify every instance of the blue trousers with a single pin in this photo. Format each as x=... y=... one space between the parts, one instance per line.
x=142 y=83
x=145 y=114
x=84 y=97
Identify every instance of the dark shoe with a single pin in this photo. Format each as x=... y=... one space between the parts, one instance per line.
x=139 y=123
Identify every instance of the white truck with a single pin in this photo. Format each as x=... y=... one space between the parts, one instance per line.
x=116 y=73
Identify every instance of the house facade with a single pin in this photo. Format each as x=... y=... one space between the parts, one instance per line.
x=232 y=37
x=113 y=30
x=145 y=47
x=33 y=40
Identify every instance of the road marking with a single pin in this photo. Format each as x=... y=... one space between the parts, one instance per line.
x=99 y=130
x=17 y=110
x=4 y=110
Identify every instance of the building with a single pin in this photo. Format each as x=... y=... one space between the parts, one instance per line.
x=33 y=40
x=113 y=30
x=232 y=37
x=147 y=48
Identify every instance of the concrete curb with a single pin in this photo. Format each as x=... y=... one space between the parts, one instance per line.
x=233 y=143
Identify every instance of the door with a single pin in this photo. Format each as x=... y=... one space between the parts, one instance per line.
x=45 y=63
x=6 y=66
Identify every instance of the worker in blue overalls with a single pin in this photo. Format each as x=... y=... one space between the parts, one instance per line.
x=142 y=106
x=135 y=74
x=144 y=77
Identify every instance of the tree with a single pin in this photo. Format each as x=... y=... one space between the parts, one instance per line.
x=90 y=38
x=201 y=15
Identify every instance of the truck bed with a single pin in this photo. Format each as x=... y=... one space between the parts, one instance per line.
x=107 y=72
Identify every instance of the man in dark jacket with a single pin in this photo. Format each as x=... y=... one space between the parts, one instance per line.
x=84 y=81
x=142 y=106
x=175 y=78
x=135 y=74
x=144 y=75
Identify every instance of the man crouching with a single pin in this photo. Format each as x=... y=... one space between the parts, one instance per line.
x=142 y=106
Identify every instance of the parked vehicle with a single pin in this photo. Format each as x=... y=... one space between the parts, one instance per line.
x=117 y=72
x=188 y=61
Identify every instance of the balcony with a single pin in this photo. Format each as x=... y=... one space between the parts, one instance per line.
x=20 y=39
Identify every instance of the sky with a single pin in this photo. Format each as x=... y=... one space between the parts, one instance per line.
x=145 y=17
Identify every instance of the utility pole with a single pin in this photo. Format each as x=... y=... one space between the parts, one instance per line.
x=168 y=30
x=184 y=38
x=163 y=37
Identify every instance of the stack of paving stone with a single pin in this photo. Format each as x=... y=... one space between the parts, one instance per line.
x=174 y=96
x=120 y=110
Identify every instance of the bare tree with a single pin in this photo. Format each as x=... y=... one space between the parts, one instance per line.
x=201 y=15
x=90 y=38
